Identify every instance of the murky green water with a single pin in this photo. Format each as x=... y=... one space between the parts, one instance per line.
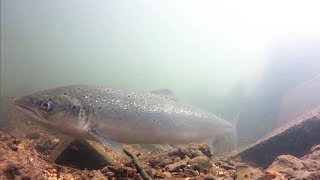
x=225 y=57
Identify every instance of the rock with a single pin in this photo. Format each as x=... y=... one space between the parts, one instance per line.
x=286 y=162
x=201 y=163
x=94 y=155
x=137 y=177
x=315 y=148
x=150 y=171
x=178 y=165
x=159 y=161
x=294 y=139
x=205 y=150
x=191 y=172
x=227 y=167
x=288 y=166
x=190 y=151
x=96 y=174
x=246 y=172
x=121 y=171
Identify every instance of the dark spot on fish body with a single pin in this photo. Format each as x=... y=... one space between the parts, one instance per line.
x=81 y=113
x=75 y=110
x=99 y=107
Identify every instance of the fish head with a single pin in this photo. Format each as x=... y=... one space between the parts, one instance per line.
x=56 y=108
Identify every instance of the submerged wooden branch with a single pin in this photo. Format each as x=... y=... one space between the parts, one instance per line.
x=136 y=163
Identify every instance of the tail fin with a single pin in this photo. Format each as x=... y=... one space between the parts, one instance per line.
x=234 y=130
x=225 y=142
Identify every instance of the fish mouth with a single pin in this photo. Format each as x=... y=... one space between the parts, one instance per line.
x=31 y=111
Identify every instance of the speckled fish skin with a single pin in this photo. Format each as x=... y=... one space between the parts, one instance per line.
x=124 y=116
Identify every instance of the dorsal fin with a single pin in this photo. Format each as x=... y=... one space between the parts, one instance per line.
x=167 y=93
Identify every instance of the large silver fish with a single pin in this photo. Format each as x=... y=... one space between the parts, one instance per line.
x=115 y=116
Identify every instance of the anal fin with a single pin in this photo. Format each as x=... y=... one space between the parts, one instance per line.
x=166 y=147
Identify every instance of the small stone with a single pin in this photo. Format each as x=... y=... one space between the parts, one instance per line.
x=157 y=161
x=67 y=176
x=244 y=171
x=33 y=135
x=138 y=177
x=167 y=175
x=201 y=163
x=227 y=167
x=151 y=172
x=176 y=159
x=191 y=152
x=192 y=172
x=210 y=177
x=178 y=165
x=205 y=150
x=165 y=162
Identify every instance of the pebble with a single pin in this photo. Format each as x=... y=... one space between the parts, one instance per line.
x=178 y=165
x=201 y=163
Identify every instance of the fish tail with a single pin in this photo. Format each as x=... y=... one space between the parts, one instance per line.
x=225 y=142
x=234 y=130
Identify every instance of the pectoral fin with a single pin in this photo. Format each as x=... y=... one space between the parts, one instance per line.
x=111 y=144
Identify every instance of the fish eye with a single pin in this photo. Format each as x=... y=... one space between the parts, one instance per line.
x=46 y=105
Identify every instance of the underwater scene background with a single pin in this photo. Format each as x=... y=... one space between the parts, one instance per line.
x=258 y=61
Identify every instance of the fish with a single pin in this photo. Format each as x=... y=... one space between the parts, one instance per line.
x=114 y=116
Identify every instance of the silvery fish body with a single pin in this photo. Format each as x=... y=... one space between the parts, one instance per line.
x=118 y=115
